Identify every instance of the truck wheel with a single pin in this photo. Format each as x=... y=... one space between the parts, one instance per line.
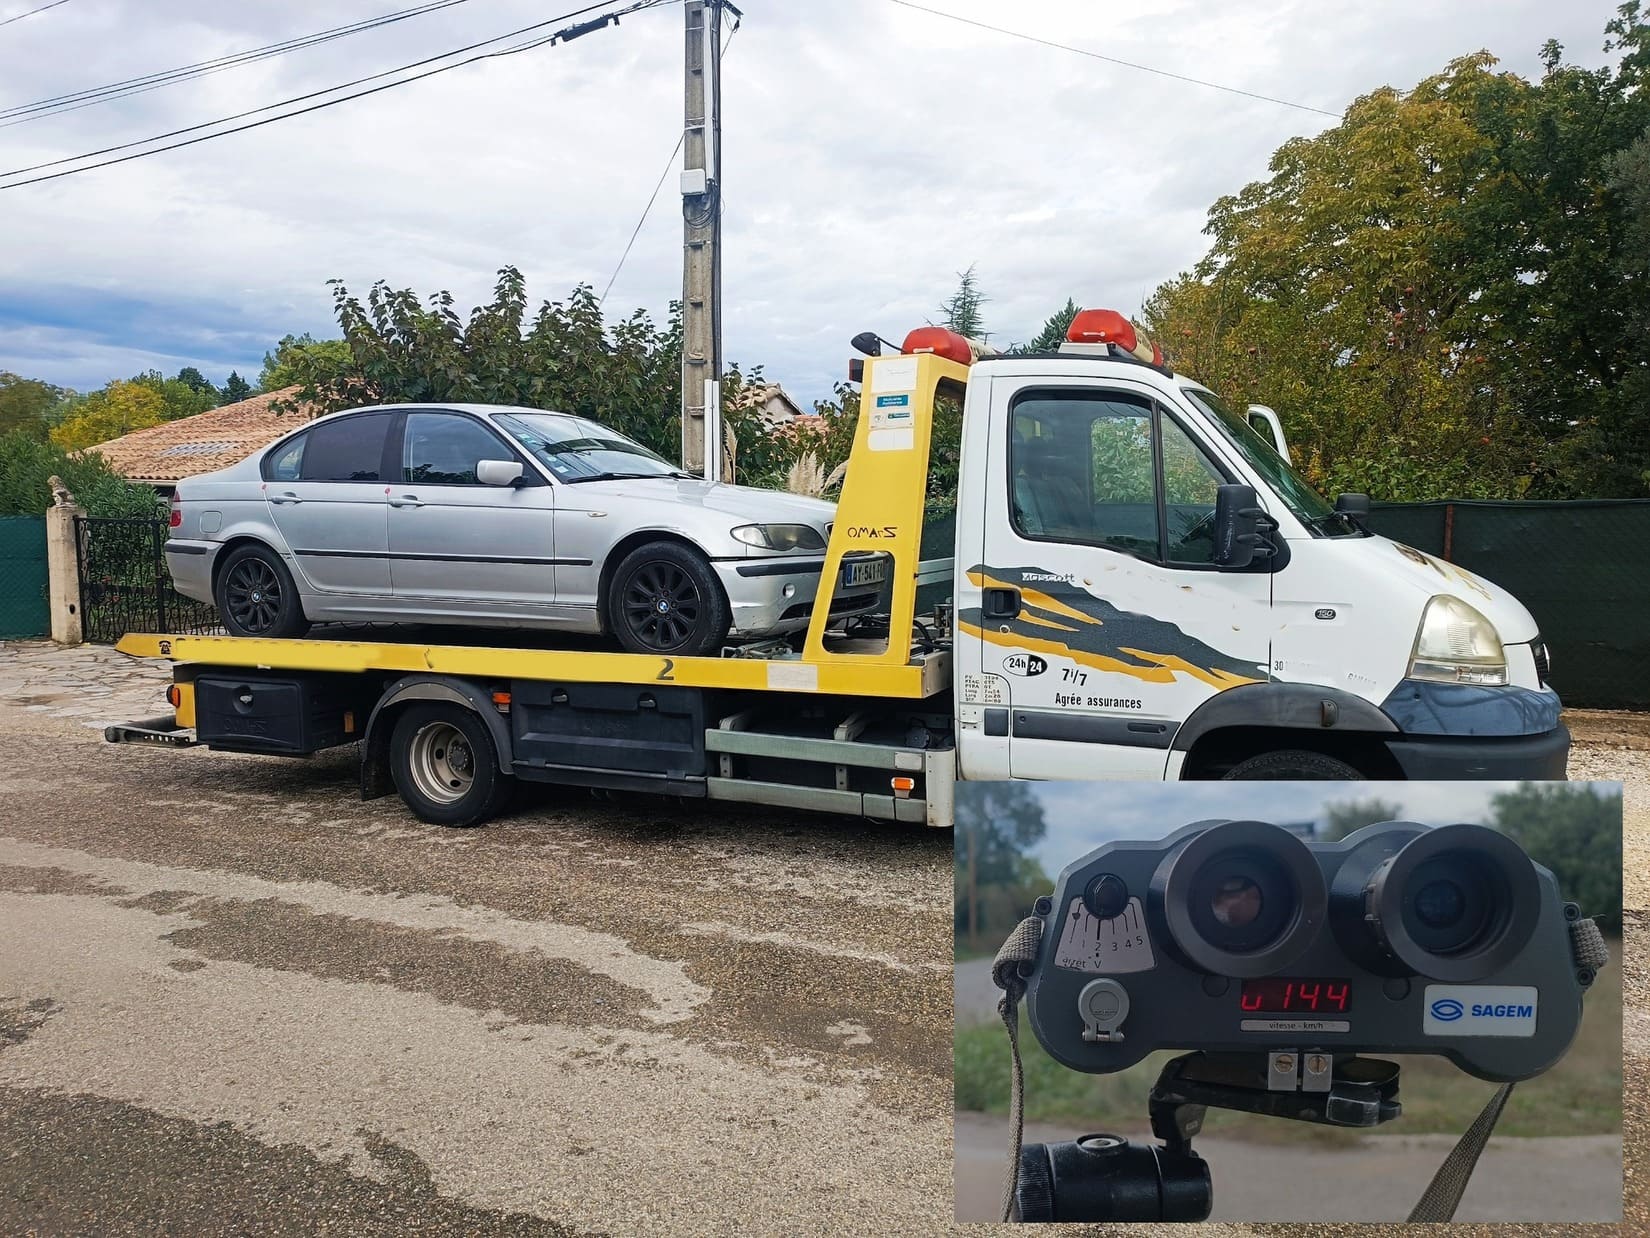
x=256 y=595
x=1296 y=764
x=445 y=766
x=665 y=599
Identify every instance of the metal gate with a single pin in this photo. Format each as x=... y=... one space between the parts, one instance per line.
x=124 y=584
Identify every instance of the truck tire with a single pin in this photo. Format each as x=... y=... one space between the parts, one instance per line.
x=256 y=595
x=445 y=766
x=1294 y=764
x=664 y=598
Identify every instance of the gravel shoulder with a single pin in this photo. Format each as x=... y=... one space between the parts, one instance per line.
x=234 y=995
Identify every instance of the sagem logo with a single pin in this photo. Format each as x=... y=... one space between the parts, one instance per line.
x=1480 y=1010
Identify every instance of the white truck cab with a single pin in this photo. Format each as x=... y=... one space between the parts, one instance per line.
x=1145 y=588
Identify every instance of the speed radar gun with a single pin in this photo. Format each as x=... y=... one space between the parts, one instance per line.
x=1279 y=963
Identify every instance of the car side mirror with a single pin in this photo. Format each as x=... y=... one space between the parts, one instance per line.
x=499 y=472
x=1237 y=527
x=1352 y=504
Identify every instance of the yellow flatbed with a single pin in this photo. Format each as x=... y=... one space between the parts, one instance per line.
x=841 y=672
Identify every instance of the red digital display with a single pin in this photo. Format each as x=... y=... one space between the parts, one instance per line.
x=1277 y=994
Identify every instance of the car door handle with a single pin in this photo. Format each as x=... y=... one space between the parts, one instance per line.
x=285 y=496
x=1001 y=604
x=406 y=500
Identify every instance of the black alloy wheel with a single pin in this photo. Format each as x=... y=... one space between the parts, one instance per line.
x=256 y=595
x=665 y=599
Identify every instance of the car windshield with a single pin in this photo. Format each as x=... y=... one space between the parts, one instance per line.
x=574 y=449
x=1308 y=506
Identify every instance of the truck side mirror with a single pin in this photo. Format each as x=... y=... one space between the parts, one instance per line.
x=1237 y=526
x=1352 y=504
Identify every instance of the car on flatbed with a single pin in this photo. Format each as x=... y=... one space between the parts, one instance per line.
x=495 y=516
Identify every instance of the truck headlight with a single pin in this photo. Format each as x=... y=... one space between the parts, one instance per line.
x=780 y=536
x=1456 y=644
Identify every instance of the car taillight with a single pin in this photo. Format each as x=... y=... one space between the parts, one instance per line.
x=176 y=519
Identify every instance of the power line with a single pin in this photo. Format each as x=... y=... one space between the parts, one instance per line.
x=647 y=210
x=75 y=100
x=1127 y=64
x=32 y=12
x=635 y=6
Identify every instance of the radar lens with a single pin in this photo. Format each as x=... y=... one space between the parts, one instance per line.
x=1440 y=904
x=1237 y=902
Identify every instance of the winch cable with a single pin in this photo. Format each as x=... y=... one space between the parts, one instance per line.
x=1018 y=955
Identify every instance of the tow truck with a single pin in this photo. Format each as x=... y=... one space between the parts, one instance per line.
x=1140 y=587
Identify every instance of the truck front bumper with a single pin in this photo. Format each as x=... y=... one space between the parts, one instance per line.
x=1535 y=758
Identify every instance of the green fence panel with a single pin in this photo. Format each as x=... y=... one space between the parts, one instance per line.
x=23 y=609
x=1583 y=569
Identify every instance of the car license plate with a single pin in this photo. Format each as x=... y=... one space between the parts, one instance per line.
x=864 y=572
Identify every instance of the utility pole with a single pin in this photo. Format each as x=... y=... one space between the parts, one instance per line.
x=702 y=240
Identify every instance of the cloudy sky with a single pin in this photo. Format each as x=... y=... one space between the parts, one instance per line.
x=872 y=152
x=1082 y=816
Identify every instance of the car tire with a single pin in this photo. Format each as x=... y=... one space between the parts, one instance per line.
x=256 y=595
x=665 y=599
x=1293 y=764
x=445 y=765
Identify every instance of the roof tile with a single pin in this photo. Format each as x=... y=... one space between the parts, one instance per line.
x=168 y=453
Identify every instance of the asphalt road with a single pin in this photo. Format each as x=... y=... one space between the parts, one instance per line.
x=234 y=998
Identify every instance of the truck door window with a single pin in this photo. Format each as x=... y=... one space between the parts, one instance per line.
x=1189 y=485
x=1082 y=470
x=1087 y=468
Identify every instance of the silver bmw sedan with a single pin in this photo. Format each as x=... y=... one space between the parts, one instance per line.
x=500 y=517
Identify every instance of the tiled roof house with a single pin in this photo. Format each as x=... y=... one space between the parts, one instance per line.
x=164 y=455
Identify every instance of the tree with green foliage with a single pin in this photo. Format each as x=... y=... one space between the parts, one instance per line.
x=996 y=878
x=1054 y=330
x=26 y=463
x=1573 y=828
x=197 y=382
x=563 y=356
x=236 y=388
x=961 y=312
x=179 y=396
x=27 y=404
x=297 y=360
x=1431 y=291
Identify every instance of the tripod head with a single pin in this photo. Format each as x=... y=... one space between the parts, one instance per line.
x=1103 y=1177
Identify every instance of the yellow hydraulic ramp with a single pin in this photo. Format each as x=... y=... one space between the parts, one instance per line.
x=920 y=676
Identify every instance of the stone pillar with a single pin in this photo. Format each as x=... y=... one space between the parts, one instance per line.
x=63 y=566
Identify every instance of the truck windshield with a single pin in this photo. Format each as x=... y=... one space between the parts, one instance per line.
x=574 y=449
x=1308 y=506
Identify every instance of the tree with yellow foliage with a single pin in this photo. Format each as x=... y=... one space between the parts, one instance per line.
x=108 y=413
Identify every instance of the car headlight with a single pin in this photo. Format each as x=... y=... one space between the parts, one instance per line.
x=780 y=536
x=1456 y=644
